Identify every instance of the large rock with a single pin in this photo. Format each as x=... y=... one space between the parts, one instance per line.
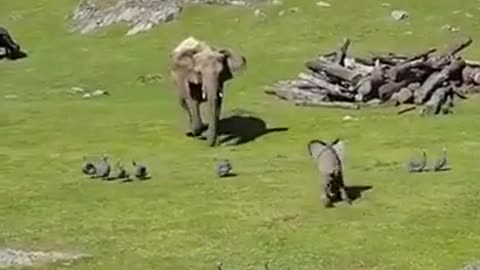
x=13 y=258
x=140 y=15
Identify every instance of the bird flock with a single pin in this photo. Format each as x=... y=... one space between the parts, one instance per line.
x=420 y=165
x=103 y=170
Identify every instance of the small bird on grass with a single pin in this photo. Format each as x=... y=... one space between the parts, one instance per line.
x=121 y=172
x=140 y=171
x=88 y=167
x=103 y=168
x=418 y=165
x=224 y=168
x=441 y=162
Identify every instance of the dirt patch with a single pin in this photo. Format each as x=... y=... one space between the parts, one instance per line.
x=21 y=258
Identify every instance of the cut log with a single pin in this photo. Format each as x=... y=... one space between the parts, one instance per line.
x=431 y=78
x=421 y=55
x=463 y=90
x=471 y=75
x=472 y=63
x=333 y=90
x=342 y=52
x=386 y=91
x=404 y=70
x=367 y=87
x=458 y=46
x=360 y=68
x=334 y=70
x=436 y=79
x=364 y=61
x=338 y=104
x=436 y=101
x=388 y=58
x=294 y=94
x=406 y=109
x=442 y=58
x=405 y=95
x=400 y=71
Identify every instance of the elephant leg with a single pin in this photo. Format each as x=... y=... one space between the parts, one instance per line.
x=183 y=104
x=195 y=117
x=344 y=193
x=327 y=196
x=214 y=104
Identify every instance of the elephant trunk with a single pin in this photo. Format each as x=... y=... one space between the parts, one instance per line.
x=213 y=90
x=215 y=107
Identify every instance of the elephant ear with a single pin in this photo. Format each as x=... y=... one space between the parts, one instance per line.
x=316 y=147
x=339 y=148
x=183 y=58
x=184 y=61
x=235 y=61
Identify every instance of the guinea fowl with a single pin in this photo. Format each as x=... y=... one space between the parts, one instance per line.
x=441 y=163
x=88 y=167
x=103 y=168
x=140 y=171
x=121 y=172
x=223 y=168
x=418 y=165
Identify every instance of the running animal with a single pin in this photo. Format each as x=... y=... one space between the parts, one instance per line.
x=329 y=160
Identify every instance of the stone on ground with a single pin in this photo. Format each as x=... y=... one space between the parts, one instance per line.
x=10 y=258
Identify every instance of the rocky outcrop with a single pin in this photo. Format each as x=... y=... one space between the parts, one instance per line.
x=10 y=258
x=140 y=15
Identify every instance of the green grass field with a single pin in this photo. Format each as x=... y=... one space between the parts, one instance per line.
x=185 y=217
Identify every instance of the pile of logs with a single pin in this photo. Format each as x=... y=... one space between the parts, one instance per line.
x=430 y=80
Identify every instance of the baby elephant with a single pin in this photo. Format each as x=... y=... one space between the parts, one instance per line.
x=328 y=158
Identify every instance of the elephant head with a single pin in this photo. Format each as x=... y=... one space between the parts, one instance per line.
x=201 y=72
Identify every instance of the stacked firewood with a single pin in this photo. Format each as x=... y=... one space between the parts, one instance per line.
x=430 y=80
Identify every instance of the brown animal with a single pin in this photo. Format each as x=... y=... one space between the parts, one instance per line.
x=199 y=72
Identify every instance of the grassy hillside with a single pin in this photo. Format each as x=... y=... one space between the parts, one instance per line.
x=186 y=218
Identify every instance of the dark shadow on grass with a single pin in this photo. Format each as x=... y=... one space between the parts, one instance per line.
x=353 y=192
x=14 y=56
x=443 y=170
x=130 y=180
x=243 y=129
x=229 y=175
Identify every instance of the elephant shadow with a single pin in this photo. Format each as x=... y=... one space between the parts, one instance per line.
x=353 y=192
x=13 y=56
x=239 y=129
